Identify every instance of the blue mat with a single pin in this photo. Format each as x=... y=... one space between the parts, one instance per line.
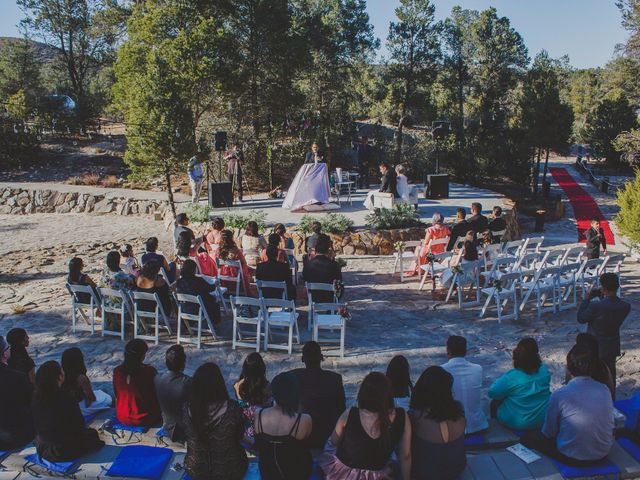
x=631 y=448
x=63 y=468
x=139 y=461
x=631 y=408
x=116 y=425
x=607 y=467
x=474 y=440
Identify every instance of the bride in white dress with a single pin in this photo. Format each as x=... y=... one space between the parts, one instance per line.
x=404 y=190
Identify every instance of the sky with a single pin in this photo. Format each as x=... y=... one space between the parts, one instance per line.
x=586 y=30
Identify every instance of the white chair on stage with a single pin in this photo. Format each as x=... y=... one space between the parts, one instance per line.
x=203 y=322
x=545 y=286
x=116 y=303
x=83 y=297
x=326 y=316
x=503 y=290
x=317 y=287
x=249 y=312
x=141 y=317
x=410 y=253
x=466 y=274
x=280 y=314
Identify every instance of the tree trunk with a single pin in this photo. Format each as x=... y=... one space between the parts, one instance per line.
x=398 y=154
x=461 y=107
x=167 y=181
x=536 y=173
x=546 y=167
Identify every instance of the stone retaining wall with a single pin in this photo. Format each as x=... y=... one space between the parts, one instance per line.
x=20 y=201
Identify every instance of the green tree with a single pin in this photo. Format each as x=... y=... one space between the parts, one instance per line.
x=19 y=69
x=630 y=10
x=628 y=143
x=629 y=203
x=414 y=46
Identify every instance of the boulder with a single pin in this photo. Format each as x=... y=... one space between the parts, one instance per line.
x=103 y=207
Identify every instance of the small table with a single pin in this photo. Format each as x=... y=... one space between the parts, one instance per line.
x=338 y=186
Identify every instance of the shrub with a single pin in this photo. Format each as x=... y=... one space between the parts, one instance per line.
x=629 y=202
x=331 y=223
x=74 y=181
x=402 y=215
x=90 y=179
x=239 y=221
x=110 y=181
x=197 y=212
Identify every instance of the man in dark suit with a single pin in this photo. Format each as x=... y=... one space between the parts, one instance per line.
x=604 y=318
x=459 y=229
x=274 y=271
x=595 y=239
x=314 y=155
x=477 y=221
x=389 y=180
x=322 y=269
x=321 y=394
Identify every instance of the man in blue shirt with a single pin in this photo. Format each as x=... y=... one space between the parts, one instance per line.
x=196 y=174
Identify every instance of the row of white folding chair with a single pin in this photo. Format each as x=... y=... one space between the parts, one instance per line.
x=410 y=253
x=312 y=287
x=84 y=302
x=280 y=313
x=439 y=263
x=466 y=275
x=141 y=317
x=202 y=320
x=327 y=317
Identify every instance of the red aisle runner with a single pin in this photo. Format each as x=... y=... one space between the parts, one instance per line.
x=584 y=207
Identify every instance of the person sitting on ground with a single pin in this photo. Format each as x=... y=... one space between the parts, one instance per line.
x=172 y=390
x=20 y=359
x=599 y=370
x=61 y=435
x=191 y=284
x=322 y=269
x=438 y=426
x=578 y=427
x=213 y=425
x=321 y=394
x=78 y=277
x=467 y=384
x=437 y=231
x=604 y=317
x=274 y=271
x=399 y=376
x=78 y=386
x=252 y=244
x=129 y=262
x=365 y=437
x=281 y=431
x=274 y=239
x=150 y=281
x=151 y=247
x=213 y=237
x=253 y=390
x=595 y=239
x=478 y=222
x=497 y=223
x=16 y=424
x=459 y=229
x=520 y=396
x=389 y=181
x=312 y=240
x=136 y=400
x=229 y=251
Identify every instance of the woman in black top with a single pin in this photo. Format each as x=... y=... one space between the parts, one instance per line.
x=77 y=277
x=149 y=281
x=400 y=378
x=281 y=431
x=78 y=386
x=190 y=284
x=61 y=435
x=366 y=437
x=20 y=359
x=214 y=428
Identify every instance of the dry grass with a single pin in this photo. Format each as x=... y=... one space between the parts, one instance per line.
x=90 y=179
x=110 y=182
x=18 y=309
x=74 y=181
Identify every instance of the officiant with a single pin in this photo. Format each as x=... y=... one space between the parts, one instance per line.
x=314 y=156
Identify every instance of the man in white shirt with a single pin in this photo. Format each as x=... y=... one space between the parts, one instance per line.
x=467 y=384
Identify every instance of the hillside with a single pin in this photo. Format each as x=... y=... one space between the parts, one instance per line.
x=44 y=52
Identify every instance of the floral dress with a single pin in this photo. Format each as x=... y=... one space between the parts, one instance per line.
x=117 y=281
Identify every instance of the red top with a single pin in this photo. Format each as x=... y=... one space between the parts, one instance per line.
x=136 y=401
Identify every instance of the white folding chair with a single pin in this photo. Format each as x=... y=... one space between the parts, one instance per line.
x=140 y=317
x=497 y=235
x=512 y=248
x=236 y=279
x=165 y=276
x=503 y=289
x=459 y=242
x=115 y=302
x=201 y=318
x=284 y=316
x=411 y=252
x=78 y=306
x=552 y=258
x=573 y=254
x=434 y=269
x=317 y=287
x=588 y=276
x=469 y=274
x=490 y=253
x=240 y=307
x=531 y=245
x=526 y=264
x=545 y=286
x=274 y=286
x=327 y=317
x=500 y=265
x=567 y=285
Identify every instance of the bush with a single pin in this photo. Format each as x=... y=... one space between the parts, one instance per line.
x=402 y=215
x=197 y=212
x=90 y=179
x=331 y=223
x=629 y=202
x=110 y=181
x=239 y=221
x=74 y=181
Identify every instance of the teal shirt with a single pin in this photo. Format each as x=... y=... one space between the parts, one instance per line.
x=525 y=398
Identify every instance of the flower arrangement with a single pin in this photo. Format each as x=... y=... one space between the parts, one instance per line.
x=338 y=288
x=399 y=246
x=457 y=269
x=430 y=257
x=344 y=313
x=497 y=284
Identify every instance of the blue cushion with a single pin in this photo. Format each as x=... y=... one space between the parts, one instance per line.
x=474 y=440
x=139 y=461
x=606 y=467
x=63 y=468
x=631 y=408
x=116 y=425
x=161 y=433
x=631 y=447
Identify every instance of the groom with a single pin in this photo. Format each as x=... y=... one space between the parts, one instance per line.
x=314 y=156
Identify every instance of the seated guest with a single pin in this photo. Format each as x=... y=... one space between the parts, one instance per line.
x=182 y=226
x=436 y=231
x=285 y=242
x=129 y=262
x=274 y=239
x=20 y=359
x=184 y=250
x=136 y=400
x=61 y=435
x=253 y=390
x=478 y=222
x=578 y=427
x=316 y=231
x=497 y=222
x=274 y=271
x=400 y=378
x=78 y=386
x=437 y=425
x=470 y=253
x=172 y=390
x=190 y=284
x=150 y=281
x=214 y=428
x=229 y=251
x=281 y=431
x=321 y=394
x=467 y=384
x=151 y=248
x=459 y=229
x=77 y=277
x=599 y=370
x=365 y=437
x=322 y=269
x=113 y=277
x=520 y=396
x=389 y=181
x=252 y=244
x=16 y=425
x=212 y=239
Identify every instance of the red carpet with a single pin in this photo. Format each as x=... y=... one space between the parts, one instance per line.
x=584 y=207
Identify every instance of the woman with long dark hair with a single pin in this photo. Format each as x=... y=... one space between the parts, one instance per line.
x=136 y=400
x=61 y=435
x=400 y=378
x=253 y=390
x=521 y=395
x=77 y=277
x=281 y=431
x=365 y=437
x=214 y=428
x=20 y=359
x=213 y=238
x=78 y=386
x=150 y=281
x=230 y=251
x=437 y=424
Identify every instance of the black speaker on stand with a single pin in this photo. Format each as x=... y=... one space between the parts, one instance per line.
x=220 y=195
